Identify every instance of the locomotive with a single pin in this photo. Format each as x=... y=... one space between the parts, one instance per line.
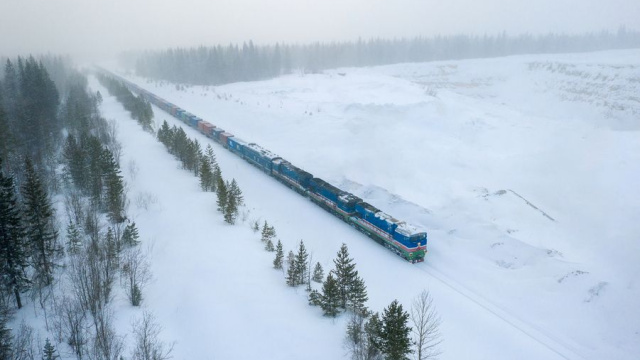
x=400 y=237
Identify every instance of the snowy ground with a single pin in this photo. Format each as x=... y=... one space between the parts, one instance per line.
x=522 y=169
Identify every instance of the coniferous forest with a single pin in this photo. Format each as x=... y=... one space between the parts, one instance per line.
x=220 y=64
x=65 y=235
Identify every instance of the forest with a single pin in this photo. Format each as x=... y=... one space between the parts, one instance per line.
x=220 y=64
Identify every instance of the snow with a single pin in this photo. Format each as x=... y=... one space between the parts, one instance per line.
x=522 y=169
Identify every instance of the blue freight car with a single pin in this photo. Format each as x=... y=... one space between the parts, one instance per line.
x=291 y=175
x=236 y=145
x=260 y=157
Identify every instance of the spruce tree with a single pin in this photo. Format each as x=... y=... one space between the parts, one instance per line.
x=302 y=268
x=277 y=262
x=236 y=192
x=206 y=176
x=357 y=295
x=345 y=274
x=373 y=329
x=221 y=192
x=115 y=201
x=130 y=235
x=269 y=246
x=315 y=298
x=396 y=333
x=318 y=273
x=74 y=238
x=231 y=210
x=292 y=275
x=211 y=156
x=13 y=255
x=42 y=235
x=268 y=232
x=330 y=301
x=49 y=351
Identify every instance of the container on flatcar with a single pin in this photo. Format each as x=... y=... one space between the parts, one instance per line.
x=194 y=121
x=223 y=138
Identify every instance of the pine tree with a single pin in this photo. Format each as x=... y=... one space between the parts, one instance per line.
x=269 y=246
x=49 y=351
x=292 y=275
x=330 y=301
x=40 y=227
x=315 y=298
x=74 y=238
x=357 y=295
x=236 y=192
x=206 y=176
x=373 y=329
x=221 y=192
x=302 y=268
x=114 y=188
x=318 y=273
x=130 y=235
x=211 y=156
x=396 y=334
x=345 y=274
x=231 y=210
x=277 y=262
x=255 y=227
x=13 y=255
x=268 y=232
x=217 y=177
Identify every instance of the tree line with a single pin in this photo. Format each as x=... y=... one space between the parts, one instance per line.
x=219 y=64
x=138 y=106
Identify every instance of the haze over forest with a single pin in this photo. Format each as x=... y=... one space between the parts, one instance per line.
x=93 y=29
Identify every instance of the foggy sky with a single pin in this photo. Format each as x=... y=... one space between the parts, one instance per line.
x=91 y=28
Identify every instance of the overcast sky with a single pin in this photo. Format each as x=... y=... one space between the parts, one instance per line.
x=102 y=27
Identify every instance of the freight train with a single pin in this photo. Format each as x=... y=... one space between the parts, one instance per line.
x=402 y=238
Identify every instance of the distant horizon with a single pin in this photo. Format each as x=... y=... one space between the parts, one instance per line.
x=101 y=29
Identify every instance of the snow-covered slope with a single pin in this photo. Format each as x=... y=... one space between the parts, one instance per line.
x=523 y=169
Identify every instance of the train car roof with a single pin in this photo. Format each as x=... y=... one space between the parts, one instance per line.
x=262 y=151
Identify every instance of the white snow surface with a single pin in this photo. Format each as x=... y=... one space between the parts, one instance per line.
x=524 y=171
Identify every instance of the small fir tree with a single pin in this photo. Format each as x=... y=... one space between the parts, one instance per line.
x=292 y=275
x=231 y=210
x=269 y=246
x=330 y=301
x=277 y=262
x=255 y=227
x=302 y=268
x=74 y=238
x=49 y=351
x=237 y=193
x=315 y=298
x=345 y=274
x=206 y=176
x=357 y=295
x=221 y=192
x=396 y=333
x=130 y=235
x=318 y=273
